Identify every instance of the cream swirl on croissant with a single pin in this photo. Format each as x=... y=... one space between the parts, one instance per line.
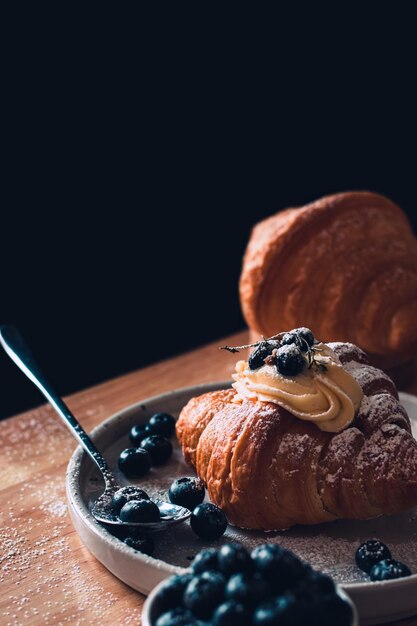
x=329 y=398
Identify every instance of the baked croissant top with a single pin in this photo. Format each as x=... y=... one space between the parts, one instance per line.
x=269 y=470
x=345 y=265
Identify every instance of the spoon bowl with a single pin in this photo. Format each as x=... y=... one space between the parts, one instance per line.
x=171 y=514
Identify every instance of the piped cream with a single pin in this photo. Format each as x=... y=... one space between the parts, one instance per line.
x=327 y=397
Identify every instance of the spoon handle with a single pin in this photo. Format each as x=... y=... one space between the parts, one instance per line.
x=15 y=346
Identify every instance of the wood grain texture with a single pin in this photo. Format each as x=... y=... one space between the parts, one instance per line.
x=47 y=576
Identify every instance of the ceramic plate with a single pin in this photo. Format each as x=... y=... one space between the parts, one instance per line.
x=328 y=547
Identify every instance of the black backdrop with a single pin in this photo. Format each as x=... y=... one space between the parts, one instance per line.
x=130 y=191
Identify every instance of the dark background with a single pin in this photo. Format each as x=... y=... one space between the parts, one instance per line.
x=132 y=175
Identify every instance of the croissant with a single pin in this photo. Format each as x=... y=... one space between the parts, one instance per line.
x=345 y=265
x=269 y=470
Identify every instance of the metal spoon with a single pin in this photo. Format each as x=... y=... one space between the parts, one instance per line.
x=15 y=346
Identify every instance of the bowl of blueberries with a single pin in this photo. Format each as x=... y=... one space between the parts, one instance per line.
x=231 y=586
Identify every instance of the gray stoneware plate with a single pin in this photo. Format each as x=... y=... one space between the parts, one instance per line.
x=328 y=547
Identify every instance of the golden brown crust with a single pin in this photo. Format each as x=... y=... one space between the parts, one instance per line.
x=195 y=417
x=269 y=470
x=345 y=266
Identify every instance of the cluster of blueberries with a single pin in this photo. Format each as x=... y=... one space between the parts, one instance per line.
x=152 y=446
x=133 y=505
x=288 y=351
x=232 y=587
x=374 y=558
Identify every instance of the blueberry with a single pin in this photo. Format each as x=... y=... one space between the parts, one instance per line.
x=260 y=353
x=161 y=424
x=208 y=521
x=319 y=582
x=134 y=462
x=142 y=543
x=140 y=511
x=172 y=591
x=370 y=553
x=177 y=617
x=125 y=494
x=301 y=337
x=290 y=361
x=234 y=558
x=329 y=610
x=283 y=610
x=203 y=593
x=249 y=589
x=310 y=592
x=205 y=560
x=278 y=565
x=388 y=569
x=187 y=492
x=159 y=448
x=293 y=570
x=266 y=614
x=117 y=531
x=138 y=433
x=267 y=558
x=231 y=613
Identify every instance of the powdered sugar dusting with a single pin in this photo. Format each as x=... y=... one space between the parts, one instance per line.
x=46 y=575
x=348 y=352
x=369 y=377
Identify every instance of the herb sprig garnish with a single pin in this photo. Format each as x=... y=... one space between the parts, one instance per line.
x=252 y=345
x=311 y=353
x=313 y=359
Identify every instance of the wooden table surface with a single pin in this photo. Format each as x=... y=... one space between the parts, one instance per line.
x=47 y=576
